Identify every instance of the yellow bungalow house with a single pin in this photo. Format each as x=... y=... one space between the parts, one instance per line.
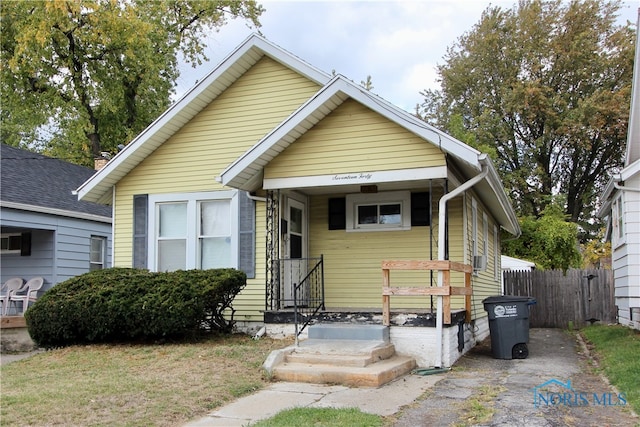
x=339 y=206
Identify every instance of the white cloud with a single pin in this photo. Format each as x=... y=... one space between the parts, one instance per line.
x=397 y=42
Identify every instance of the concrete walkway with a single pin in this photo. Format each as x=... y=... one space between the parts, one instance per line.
x=508 y=388
x=385 y=400
x=6 y=358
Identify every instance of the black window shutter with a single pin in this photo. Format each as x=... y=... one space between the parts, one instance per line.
x=420 y=209
x=25 y=244
x=247 y=235
x=140 y=230
x=338 y=213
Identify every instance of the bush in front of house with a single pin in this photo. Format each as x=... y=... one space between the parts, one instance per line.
x=132 y=305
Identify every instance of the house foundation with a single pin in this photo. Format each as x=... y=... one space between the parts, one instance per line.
x=413 y=334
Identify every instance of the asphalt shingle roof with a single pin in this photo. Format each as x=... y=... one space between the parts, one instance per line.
x=34 y=179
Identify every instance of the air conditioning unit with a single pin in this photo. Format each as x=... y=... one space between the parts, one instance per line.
x=479 y=262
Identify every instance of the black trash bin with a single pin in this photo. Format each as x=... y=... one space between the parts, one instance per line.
x=509 y=325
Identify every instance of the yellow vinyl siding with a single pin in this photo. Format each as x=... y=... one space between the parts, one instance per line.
x=484 y=283
x=353 y=272
x=456 y=245
x=250 y=302
x=191 y=160
x=354 y=139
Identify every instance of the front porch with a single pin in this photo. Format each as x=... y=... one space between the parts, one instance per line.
x=413 y=334
x=362 y=316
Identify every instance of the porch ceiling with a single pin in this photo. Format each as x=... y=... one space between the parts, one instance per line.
x=356 y=188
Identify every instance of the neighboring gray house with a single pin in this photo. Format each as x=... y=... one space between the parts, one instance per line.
x=621 y=204
x=45 y=230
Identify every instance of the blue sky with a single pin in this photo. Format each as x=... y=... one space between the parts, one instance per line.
x=398 y=43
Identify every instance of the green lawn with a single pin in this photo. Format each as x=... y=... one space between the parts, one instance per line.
x=171 y=384
x=617 y=350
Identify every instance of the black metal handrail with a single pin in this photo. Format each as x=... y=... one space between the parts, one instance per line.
x=308 y=297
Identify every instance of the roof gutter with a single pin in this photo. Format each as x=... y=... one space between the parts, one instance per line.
x=442 y=209
x=617 y=186
x=55 y=211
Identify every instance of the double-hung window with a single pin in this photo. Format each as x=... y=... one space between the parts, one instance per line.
x=172 y=236
x=214 y=234
x=617 y=219
x=196 y=230
x=98 y=253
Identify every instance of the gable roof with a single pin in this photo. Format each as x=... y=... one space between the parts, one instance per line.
x=34 y=182
x=99 y=187
x=246 y=172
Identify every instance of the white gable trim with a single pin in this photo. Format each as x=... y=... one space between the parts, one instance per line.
x=98 y=188
x=356 y=178
x=319 y=106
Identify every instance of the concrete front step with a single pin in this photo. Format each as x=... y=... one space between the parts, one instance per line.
x=338 y=331
x=347 y=354
x=372 y=375
x=340 y=352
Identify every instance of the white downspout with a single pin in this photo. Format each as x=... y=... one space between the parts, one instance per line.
x=442 y=209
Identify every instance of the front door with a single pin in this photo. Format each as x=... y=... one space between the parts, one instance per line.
x=295 y=246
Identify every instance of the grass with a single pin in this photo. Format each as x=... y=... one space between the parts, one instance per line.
x=480 y=408
x=161 y=385
x=171 y=384
x=617 y=349
x=321 y=417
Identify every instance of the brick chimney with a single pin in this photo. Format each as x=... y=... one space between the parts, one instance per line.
x=101 y=161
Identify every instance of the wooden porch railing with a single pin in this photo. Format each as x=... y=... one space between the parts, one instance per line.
x=446 y=291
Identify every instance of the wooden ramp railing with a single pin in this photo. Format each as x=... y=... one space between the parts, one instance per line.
x=446 y=291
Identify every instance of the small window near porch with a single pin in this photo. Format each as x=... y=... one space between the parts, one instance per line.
x=10 y=243
x=379 y=211
x=98 y=253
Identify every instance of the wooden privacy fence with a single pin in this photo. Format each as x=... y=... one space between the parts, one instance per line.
x=577 y=297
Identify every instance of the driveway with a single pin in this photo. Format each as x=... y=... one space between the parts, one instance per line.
x=554 y=386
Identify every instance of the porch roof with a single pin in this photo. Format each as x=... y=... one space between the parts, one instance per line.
x=247 y=172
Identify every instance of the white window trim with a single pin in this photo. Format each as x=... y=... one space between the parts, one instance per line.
x=103 y=242
x=14 y=251
x=497 y=268
x=401 y=197
x=192 y=200
x=474 y=227
x=618 y=236
x=485 y=237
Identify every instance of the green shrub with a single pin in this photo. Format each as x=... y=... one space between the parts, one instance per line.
x=122 y=304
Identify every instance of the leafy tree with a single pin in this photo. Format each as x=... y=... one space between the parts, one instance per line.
x=596 y=253
x=546 y=84
x=550 y=240
x=81 y=77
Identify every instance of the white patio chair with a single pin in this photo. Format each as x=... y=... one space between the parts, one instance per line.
x=8 y=288
x=30 y=294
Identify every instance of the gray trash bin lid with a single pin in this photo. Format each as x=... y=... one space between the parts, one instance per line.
x=501 y=299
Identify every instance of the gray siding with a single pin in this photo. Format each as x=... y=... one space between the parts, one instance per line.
x=59 y=246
